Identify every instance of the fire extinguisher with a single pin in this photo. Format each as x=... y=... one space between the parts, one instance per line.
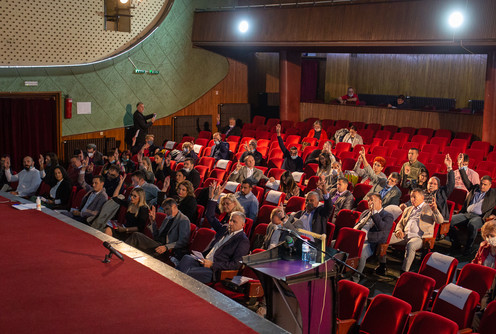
x=68 y=108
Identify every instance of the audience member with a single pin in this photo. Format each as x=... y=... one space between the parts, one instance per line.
x=112 y=159
x=92 y=202
x=340 y=197
x=416 y=223
x=274 y=236
x=220 y=150
x=193 y=175
x=420 y=182
x=47 y=167
x=487 y=250
x=248 y=171
x=111 y=178
x=400 y=103
x=324 y=166
x=315 y=216
x=60 y=193
x=388 y=190
x=377 y=223
x=318 y=133
x=29 y=178
x=141 y=126
x=350 y=98
x=247 y=199
x=4 y=184
x=472 y=175
x=289 y=186
x=149 y=148
x=370 y=175
x=186 y=201
x=227 y=205
x=230 y=130
x=352 y=137
x=151 y=190
x=292 y=162
x=478 y=206
x=227 y=249
x=412 y=168
x=315 y=155
x=126 y=162
x=95 y=157
x=171 y=182
x=332 y=178
x=136 y=214
x=145 y=165
x=173 y=235
x=74 y=169
x=251 y=149
x=158 y=166
x=188 y=152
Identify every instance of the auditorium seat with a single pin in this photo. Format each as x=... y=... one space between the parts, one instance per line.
x=217 y=173
x=442 y=142
x=487 y=165
x=359 y=125
x=440 y=267
x=275 y=162
x=443 y=133
x=425 y=132
x=380 y=151
x=475 y=156
x=433 y=167
x=76 y=203
x=426 y=322
x=367 y=135
x=210 y=180
x=310 y=140
x=391 y=145
x=258 y=192
x=273 y=197
x=202 y=170
x=383 y=134
x=477 y=278
x=360 y=191
x=330 y=233
x=209 y=162
x=385 y=314
x=458 y=197
x=453 y=151
x=293 y=139
x=264 y=213
x=408 y=145
x=350 y=241
x=248 y=134
x=351 y=300
x=481 y=145
x=276 y=173
x=456 y=303
x=464 y=135
x=341 y=147
x=295 y=204
x=258 y=120
x=202 y=141
x=272 y=122
x=415 y=289
x=431 y=148
x=460 y=143
x=408 y=130
x=400 y=154
x=391 y=128
x=488 y=319
x=374 y=126
x=258 y=234
x=342 y=123
x=401 y=137
x=205 y=135
x=312 y=184
x=346 y=218
x=275 y=153
x=362 y=205
x=246 y=140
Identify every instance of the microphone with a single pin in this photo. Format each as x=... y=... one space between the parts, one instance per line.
x=288 y=242
x=291 y=232
x=113 y=250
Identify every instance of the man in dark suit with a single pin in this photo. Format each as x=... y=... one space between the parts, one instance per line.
x=141 y=125
x=478 y=205
x=173 y=234
x=341 y=198
x=228 y=248
x=221 y=149
x=193 y=175
x=377 y=223
x=230 y=130
x=314 y=217
x=388 y=190
x=251 y=149
x=248 y=171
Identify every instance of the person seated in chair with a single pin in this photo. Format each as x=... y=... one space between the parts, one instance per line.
x=472 y=175
x=318 y=133
x=350 y=98
x=60 y=193
x=172 y=235
x=412 y=168
x=314 y=157
x=486 y=254
x=400 y=103
x=417 y=222
x=341 y=198
x=251 y=149
x=377 y=223
x=388 y=190
x=230 y=130
x=29 y=178
x=478 y=206
x=226 y=251
x=352 y=137
x=278 y=218
x=95 y=157
x=92 y=202
x=292 y=161
x=247 y=199
x=220 y=150
x=370 y=175
x=193 y=175
x=248 y=171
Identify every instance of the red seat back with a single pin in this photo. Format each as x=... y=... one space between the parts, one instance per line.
x=351 y=299
x=462 y=316
x=488 y=319
x=477 y=278
x=430 y=323
x=415 y=289
x=295 y=204
x=386 y=314
x=350 y=241
x=203 y=238
x=441 y=277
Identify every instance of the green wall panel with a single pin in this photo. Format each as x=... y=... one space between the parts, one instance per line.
x=186 y=73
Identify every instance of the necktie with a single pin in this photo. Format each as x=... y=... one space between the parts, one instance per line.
x=335 y=198
x=363 y=221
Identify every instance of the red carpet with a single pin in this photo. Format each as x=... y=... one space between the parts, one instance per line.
x=52 y=280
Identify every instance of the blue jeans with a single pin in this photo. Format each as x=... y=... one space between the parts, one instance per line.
x=192 y=267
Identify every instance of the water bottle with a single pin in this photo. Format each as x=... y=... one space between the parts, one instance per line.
x=38 y=203
x=305 y=252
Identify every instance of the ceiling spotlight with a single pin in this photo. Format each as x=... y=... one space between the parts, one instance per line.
x=243 y=26
x=124 y=1
x=455 y=19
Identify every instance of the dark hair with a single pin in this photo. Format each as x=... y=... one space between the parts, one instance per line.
x=327 y=157
x=160 y=154
x=345 y=180
x=63 y=171
x=352 y=127
x=288 y=188
x=54 y=160
x=418 y=191
x=182 y=171
x=190 y=160
x=247 y=181
x=395 y=175
x=402 y=97
x=414 y=149
x=99 y=177
x=169 y=202
x=139 y=174
x=487 y=178
x=126 y=152
x=465 y=157
x=77 y=151
x=137 y=104
x=114 y=167
x=377 y=195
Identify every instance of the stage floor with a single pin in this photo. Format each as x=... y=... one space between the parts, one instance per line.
x=53 y=280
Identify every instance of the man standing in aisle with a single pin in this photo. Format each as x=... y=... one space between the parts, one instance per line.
x=141 y=126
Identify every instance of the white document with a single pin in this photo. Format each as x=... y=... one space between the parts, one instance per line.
x=455 y=295
x=83 y=108
x=28 y=206
x=240 y=280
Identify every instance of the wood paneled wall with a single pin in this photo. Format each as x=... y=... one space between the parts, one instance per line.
x=402 y=118
x=232 y=89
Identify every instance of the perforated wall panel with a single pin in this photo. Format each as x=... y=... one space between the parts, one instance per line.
x=41 y=32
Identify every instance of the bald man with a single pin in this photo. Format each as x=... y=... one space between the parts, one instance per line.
x=29 y=178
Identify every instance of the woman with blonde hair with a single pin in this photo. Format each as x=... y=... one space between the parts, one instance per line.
x=186 y=201
x=136 y=215
x=227 y=204
x=145 y=165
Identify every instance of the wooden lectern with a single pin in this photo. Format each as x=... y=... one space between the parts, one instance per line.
x=301 y=297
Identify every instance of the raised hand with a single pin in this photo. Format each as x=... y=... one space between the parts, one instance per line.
x=433 y=204
x=448 y=162
x=41 y=160
x=322 y=185
x=152 y=213
x=84 y=164
x=218 y=118
x=460 y=159
x=6 y=164
x=166 y=184
x=278 y=129
x=122 y=178
x=91 y=167
x=238 y=167
x=211 y=189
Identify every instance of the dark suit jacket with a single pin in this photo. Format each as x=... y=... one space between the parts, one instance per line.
x=489 y=201
x=220 y=151
x=64 y=193
x=345 y=201
x=256 y=155
x=320 y=216
x=178 y=234
x=443 y=193
x=188 y=207
x=229 y=255
x=383 y=222
x=140 y=123
x=236 y=131
x=194 y=177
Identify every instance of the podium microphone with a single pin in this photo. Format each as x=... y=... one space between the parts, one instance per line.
x=113 y=251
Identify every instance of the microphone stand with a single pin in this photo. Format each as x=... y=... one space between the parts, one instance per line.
x=322 y=237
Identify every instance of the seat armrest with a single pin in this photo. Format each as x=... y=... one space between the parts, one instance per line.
x=228 y=274
x=344 y=326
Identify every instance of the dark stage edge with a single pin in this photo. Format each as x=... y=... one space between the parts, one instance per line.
x=216 y=299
